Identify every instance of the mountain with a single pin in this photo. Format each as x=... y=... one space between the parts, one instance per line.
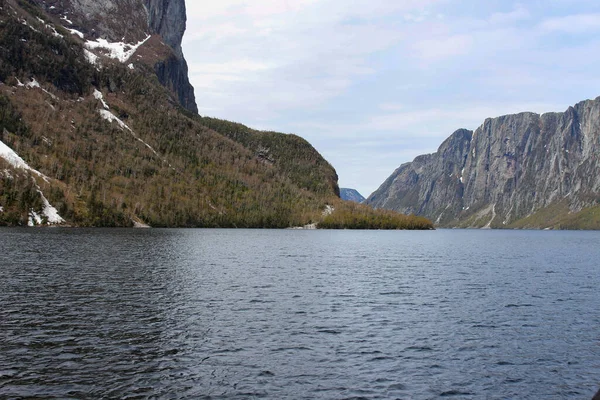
x=98 y=127
x=351 y=195
x=516 y=171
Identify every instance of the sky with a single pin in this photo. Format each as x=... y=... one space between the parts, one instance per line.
x=371 y=84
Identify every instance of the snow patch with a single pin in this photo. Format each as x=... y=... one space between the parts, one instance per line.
x=98 y=96
x=50 y=212
x=13 y=159
x=53 y=29
x=33 y=84
x=130 y=66
x=34 y=218
x=75 y=32
x=64 y=18
x=24 y=22
x=119 y=51
x=90 y=57
x=107 y=115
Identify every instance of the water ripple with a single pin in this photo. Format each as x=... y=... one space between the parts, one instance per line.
x=236 y=314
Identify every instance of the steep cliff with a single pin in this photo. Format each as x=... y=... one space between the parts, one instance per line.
x=523 y=170
x=131 y=22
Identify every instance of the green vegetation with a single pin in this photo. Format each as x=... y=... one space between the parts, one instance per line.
x=350 y=215
x=290 y=154
x=558 y=216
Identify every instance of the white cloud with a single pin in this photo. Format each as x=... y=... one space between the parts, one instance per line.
x=519 y=13
x=574 y=24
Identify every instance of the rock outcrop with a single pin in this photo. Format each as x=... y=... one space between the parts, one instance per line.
x=131 y=21
x=506 y=173
x=168 y=19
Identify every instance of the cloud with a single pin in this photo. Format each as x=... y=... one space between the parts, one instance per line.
x=572 y=24
x=519 y=13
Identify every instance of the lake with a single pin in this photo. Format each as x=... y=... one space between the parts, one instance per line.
x=284 y=314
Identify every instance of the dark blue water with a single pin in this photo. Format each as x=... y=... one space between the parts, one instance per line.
x=227 y=314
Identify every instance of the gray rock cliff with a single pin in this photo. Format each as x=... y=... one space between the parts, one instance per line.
x=508 y=169
x=168 y=19
x=131 y=21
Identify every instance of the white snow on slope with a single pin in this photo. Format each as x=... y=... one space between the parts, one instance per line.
x=35 y=84
x=24 y=22
x=34 y=219
x=119 y=51
x=52 y=28
x=107 y=115
x=90 y=57
x=50 y=212
x=98 y=96
x=13 y=159
x=75 y=32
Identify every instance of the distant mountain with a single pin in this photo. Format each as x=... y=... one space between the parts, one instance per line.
x=517 y=171
x=351 y=195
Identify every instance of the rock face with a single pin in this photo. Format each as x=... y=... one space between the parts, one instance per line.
x=508 y=169
x=168 y=19
x=131 y=21
x=351 y=195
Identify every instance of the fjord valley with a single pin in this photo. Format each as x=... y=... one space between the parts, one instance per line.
x=99 y=127
x=516 y=171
